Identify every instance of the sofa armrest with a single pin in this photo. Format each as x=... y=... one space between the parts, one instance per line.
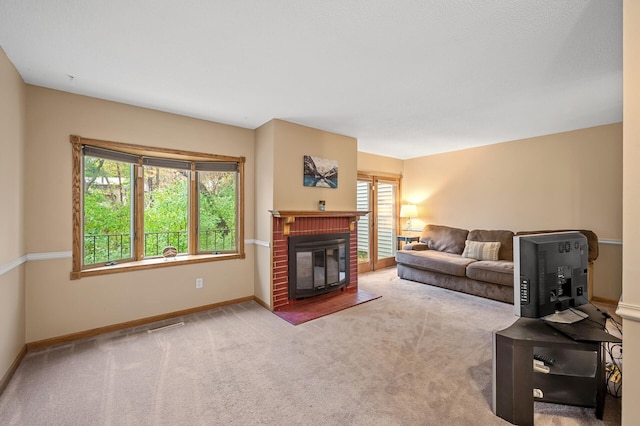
x=416 y=246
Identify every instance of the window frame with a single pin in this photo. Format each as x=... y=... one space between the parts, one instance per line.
x=138 y=261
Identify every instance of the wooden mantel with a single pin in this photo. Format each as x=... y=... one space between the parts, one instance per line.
x=290 y=216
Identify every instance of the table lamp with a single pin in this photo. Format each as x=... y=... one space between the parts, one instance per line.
x=408 y=211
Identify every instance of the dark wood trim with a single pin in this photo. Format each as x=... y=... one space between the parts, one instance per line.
x=374 y=179
x=76 y=200
x=177 y=154
x=14 y=366
x=364 y=175
x=138 y=211
x=154 y=263
x=317 y=213
x=240 y=208
x=135 y=323
x=139 y=262
x=290 y=216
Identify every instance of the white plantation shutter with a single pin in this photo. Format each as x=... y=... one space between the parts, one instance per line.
x=386 y=220
x=362 y=203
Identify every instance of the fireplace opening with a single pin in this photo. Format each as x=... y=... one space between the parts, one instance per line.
x=318 y=264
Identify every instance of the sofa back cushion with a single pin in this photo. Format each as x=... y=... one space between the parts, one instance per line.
x=505 y=238
x=444 y=238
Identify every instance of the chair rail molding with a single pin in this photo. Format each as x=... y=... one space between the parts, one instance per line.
x=4 y=268
x=609 y=241
x=49 y=255
x=629 y=311
x=12 y=264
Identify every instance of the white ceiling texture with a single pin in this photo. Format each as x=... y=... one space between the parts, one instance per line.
x=407 y=78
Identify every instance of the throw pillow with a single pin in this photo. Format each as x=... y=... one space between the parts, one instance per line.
x=480 y=250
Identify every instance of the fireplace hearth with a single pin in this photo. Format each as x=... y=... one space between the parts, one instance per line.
x=318 y=264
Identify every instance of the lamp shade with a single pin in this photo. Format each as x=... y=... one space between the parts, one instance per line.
x=408 y=210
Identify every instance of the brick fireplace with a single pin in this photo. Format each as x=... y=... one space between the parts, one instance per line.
x=290 y=224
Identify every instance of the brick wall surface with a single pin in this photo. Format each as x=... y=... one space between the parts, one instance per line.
x=307 y=226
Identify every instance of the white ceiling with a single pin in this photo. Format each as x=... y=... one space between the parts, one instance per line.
x=405 y=77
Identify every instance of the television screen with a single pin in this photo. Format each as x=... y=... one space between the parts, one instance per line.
x=550 y=273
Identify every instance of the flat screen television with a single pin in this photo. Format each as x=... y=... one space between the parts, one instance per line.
x=550 y=273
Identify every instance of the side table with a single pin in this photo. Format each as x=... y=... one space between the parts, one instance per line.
x=577 y=376
x=406 y=239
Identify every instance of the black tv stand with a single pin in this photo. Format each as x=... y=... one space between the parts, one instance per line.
x=576 y=377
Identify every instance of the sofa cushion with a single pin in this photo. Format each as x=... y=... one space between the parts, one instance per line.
x=444 y=238
x=481 y=250
x=505 y=238
x=437 y=261
x=492 y=271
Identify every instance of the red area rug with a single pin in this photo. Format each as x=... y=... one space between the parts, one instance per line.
x=310 y=309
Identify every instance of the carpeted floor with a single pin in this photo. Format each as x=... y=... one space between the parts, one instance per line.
x=419 y=355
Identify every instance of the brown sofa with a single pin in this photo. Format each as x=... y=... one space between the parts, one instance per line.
x=469 y=261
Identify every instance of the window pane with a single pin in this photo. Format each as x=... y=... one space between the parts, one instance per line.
x=107 y=217
x=319 y=279
x=166 y=210
x=304 y=270
x=217 y=211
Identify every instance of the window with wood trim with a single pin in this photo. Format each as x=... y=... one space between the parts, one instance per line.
x=137 y=207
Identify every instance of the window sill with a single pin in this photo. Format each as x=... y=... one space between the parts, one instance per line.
x=153 y=264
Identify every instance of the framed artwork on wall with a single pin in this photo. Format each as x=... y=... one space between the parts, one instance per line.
x=320 y=172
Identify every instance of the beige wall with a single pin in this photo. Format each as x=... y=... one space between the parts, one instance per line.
x=57 y=306
x=292 y=143
x=265 y=164
x=607 y=273
x=566 y=180
x=12 y=284
x=280 y=149
x=371 y=163
x=631 y=213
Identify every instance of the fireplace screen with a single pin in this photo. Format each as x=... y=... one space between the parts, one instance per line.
x=318 y=264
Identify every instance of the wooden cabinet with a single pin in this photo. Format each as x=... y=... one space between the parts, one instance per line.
x=575 y=377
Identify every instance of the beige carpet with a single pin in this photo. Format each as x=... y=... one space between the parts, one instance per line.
x=419 y=355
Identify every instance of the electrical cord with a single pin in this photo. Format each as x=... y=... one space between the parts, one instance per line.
x=614 y=369
x=613 y=350
x=605 y=314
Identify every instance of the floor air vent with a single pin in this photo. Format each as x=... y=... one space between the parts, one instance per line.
x=166 y=327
